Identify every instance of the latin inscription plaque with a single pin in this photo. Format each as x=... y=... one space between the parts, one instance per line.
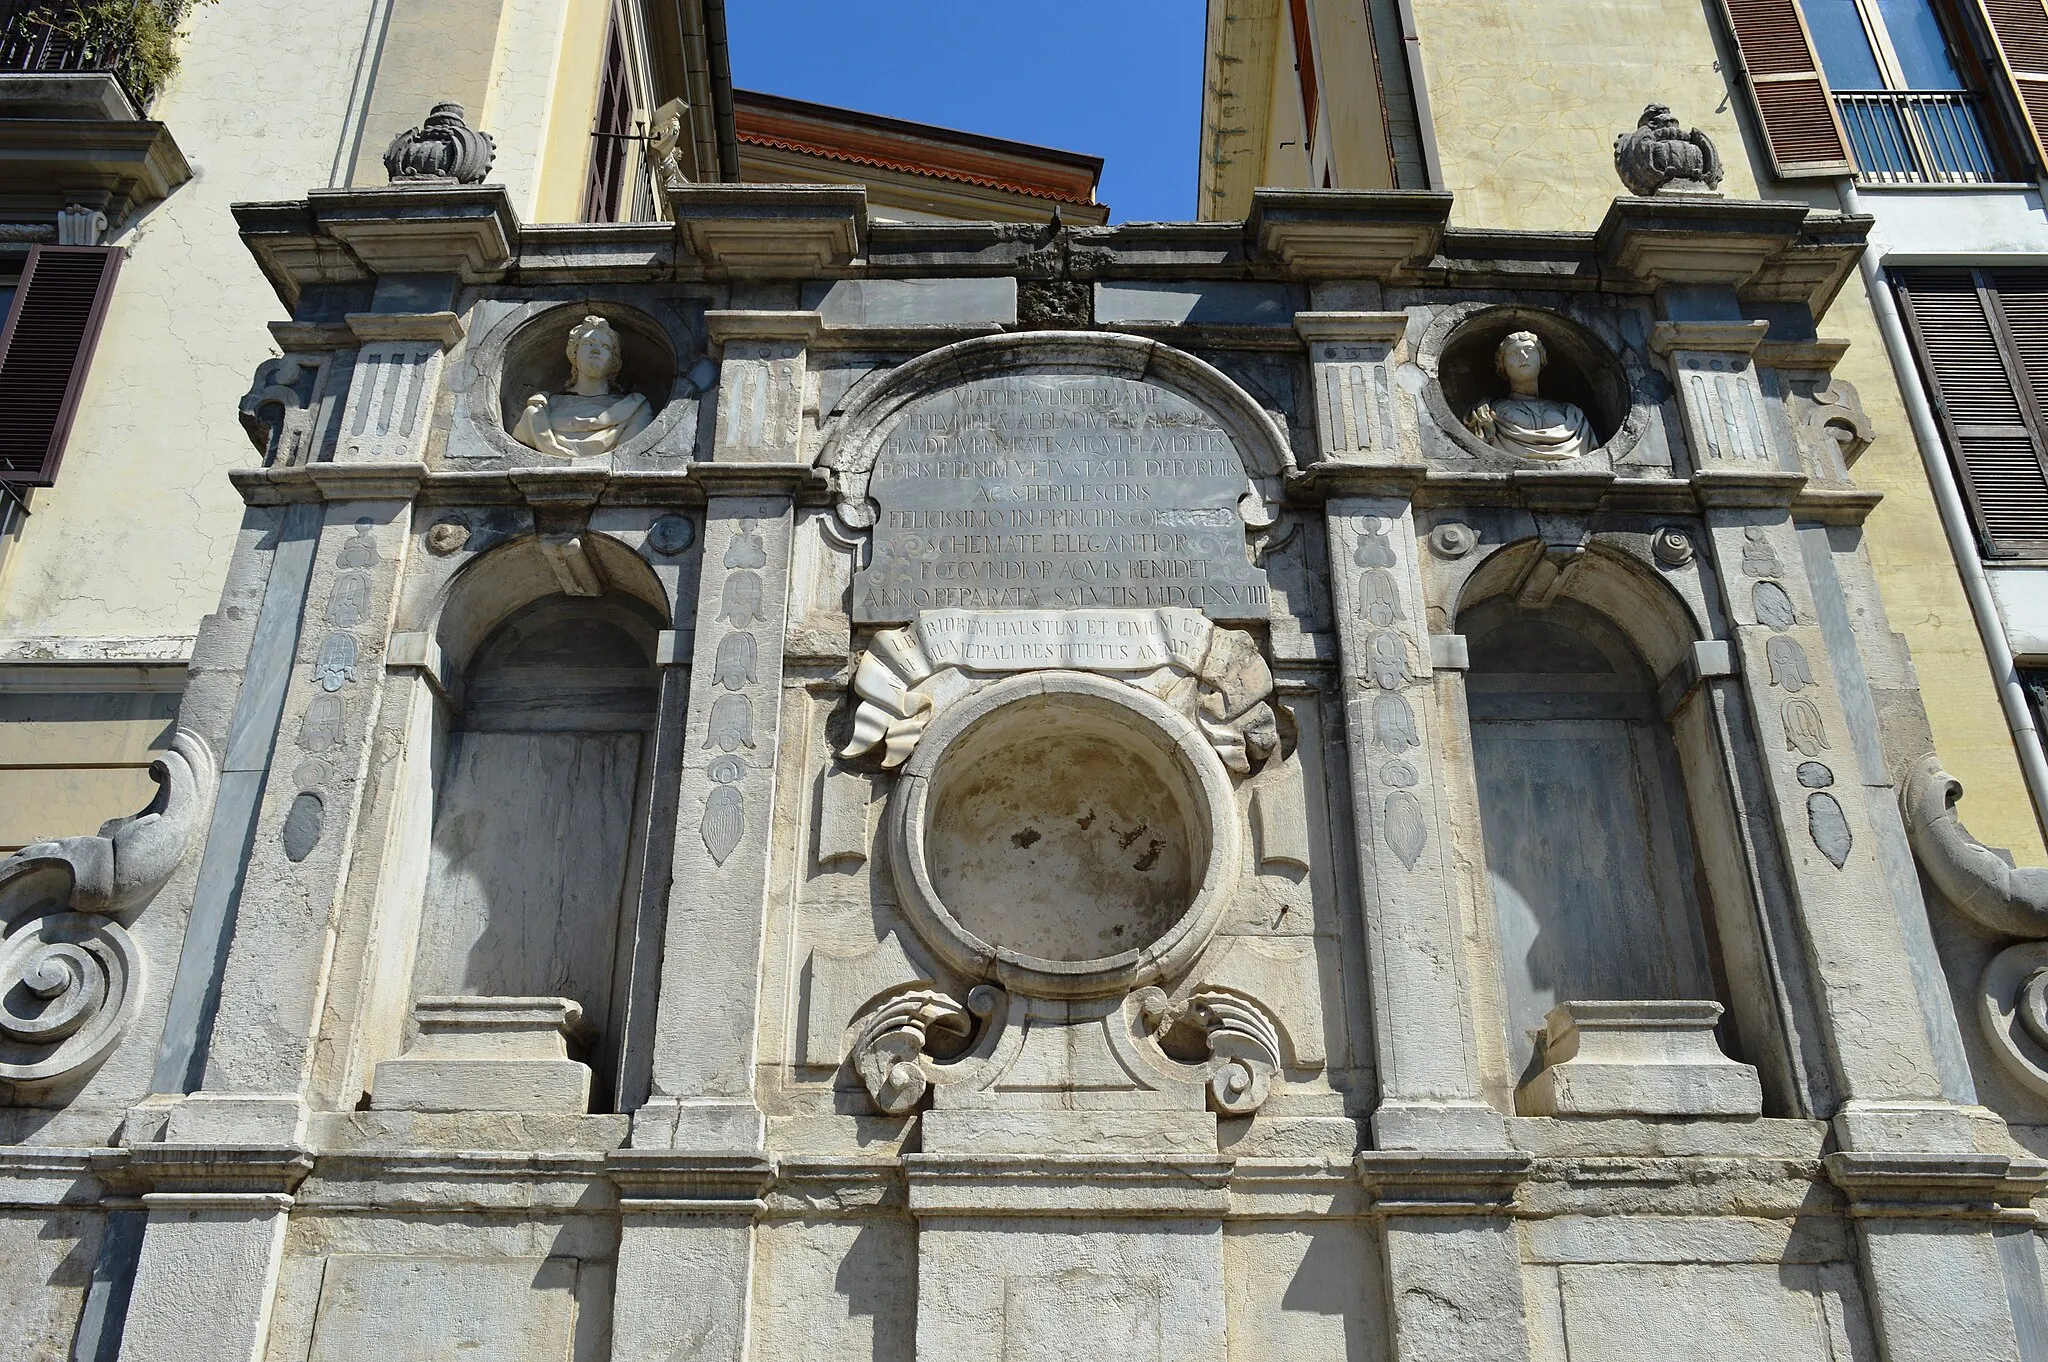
x=1058 y=492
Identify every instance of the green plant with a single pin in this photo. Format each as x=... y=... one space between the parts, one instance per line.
x=137 y=40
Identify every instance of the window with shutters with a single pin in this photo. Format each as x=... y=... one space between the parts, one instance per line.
x=1896 y=91
x=1981 y=339
x=610 y=138
x=45 y=348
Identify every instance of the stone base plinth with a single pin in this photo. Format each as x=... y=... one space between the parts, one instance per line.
x=487 y=1054
x=1637 y=1058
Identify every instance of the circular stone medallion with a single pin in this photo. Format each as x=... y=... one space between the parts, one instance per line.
x=1065 y=834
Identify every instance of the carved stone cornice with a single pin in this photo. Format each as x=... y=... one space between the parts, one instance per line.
x=73 y=137
x=1679 y=239
x=1938 y=1186
x=671 y=1182
x=1346 y=234
x=211 y=1170
x=443 y=328
x=1817 y=353
x=808 y=484
x=730 y=326
x=1346 y=478
x=339 y=236
x=1443 y=1182
x=328 y=482
x=771 y=231
x=1341 y=327
x=1836 y=505
x=1739 y=488
x=1064 y=1185
x=1740 y=338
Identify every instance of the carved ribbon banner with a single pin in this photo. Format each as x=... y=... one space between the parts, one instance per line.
x=1216 y=674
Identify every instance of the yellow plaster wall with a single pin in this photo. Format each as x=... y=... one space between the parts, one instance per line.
x=1527 y=99
x=434 y=50
x=1351 y=96
x=1923 y=597
x=565 y=154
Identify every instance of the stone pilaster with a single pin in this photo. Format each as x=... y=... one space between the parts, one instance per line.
x=397 y=377
x=211 y=1249
x=267 y=1013
x=686 y=1252
x=703 y=1095
x=1454 y=1264
x=1429 y=1074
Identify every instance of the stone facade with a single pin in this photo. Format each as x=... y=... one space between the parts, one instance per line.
x=1141 y=836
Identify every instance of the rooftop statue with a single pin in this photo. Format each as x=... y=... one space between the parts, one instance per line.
x=1522 y=423
x=589 y=418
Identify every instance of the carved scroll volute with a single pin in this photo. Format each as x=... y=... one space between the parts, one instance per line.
x=890 y=1054
x=1243 y=1043
x=72 y=979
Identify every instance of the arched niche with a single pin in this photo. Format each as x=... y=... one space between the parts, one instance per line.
x=540 y=782
x=1612 y=854
x=1458 y=350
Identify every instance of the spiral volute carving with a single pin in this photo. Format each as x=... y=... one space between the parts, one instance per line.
x=69 y=983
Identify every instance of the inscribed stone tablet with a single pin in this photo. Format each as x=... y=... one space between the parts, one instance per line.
x=1058 y=492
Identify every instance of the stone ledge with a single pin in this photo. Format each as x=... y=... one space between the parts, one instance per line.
x=1939 y=1186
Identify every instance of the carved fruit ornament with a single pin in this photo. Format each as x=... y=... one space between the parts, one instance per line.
x=441 y=149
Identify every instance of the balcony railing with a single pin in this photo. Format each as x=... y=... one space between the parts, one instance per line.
x=134 y=40
x=1919 y=136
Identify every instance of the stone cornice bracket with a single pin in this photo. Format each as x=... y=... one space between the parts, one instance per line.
x=1982 y=883
x=809 y=486
x=1692 y=241
x=328 y=482
x=442 y=328
x=339 y=236
x=1244 y=1043
x=1343 y=478
x=195 y=1173
x=1443 y=1182
x=71 y=977
x=1939 y=1186
x=1346 y=234
x=749 y=231
x=1740 y=338
x=663 y=1181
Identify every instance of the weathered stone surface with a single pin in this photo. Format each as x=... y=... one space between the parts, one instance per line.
x=1049 y=492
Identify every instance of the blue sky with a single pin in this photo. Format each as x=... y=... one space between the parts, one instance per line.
x=1119 y=79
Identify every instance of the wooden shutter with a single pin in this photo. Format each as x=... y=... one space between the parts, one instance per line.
x=44 y=352
x=2019 y=38
x=1787 y=89
x=1305 y=71
x=608 y=139
x=1983 y=353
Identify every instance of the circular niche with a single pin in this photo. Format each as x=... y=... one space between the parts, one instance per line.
x=1064 y=834
x=537 y=357
x=1579 y=369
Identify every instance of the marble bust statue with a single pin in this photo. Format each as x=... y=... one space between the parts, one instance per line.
x=589 y=418
x=1522 y=423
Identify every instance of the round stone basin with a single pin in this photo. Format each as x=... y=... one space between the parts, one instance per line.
x=1065 y=827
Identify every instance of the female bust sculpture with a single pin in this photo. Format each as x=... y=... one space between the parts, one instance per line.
x=589 y=418
x=1522 y=423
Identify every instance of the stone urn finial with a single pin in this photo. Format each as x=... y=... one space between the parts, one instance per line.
x=442 y=150
x=1658 y=155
